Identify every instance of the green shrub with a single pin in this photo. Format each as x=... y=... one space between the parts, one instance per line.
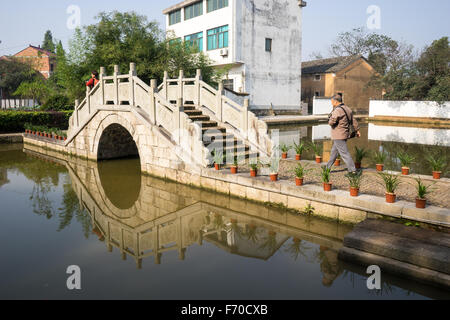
x=14 y=121
x=57 y=102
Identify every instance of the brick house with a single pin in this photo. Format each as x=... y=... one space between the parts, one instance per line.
x=41 y=60
x=346 y=75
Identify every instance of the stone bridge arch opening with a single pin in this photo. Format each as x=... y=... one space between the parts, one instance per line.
x=116 y=143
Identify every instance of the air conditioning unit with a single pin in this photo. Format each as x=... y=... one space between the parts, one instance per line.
x=224 y=52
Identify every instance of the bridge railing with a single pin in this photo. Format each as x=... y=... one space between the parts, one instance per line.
x=240 y=120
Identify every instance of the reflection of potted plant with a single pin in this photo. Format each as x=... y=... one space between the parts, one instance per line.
x=254 y=169
x=270 y=242
x=390 y=182
x=360 y=154
x=337 y=163
x=437 y=164
x=274 y=166
x=380 y=158
x=218 y=158
x=317 y=148
x=405 y=160
x=234 y=167
x=325 y=175
x=300 y=173
x=299 y=149
x=355 y=182
x=422 y=191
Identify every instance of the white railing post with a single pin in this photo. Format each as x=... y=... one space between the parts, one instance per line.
x=77 y=104
x=219 y=102
x=245 y=117
x=177 y=120
x=165 y=85
x=153 y=89
x=180 y=86
x=116 y=85
x=88 y=99
x=133 y=74
x=198 y=88
x=102 y=84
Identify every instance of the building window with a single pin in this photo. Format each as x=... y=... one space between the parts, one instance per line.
x=218 y=38
x=175 y=17
x=268 y=45
x=51 y=67
x=317 y=77
x=195 y=41
x=228 y=84
x=217 y=4
x=174 y=41
x=194 y=10
x=317 y=94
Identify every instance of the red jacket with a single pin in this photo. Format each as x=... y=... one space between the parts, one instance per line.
x=91 y=83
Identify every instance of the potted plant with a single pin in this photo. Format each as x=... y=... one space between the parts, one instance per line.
x=218 y=157
x=437 y=164
x=380 y=159
x=254 y=169
x=300 y=173
x=405 y=160
x=274 y=166
x=299 y=149
x=234 y=167
x=422 y=191
x=325 y=175
x=390 y=182
x=317 y=148
x=355 y=182
x=284 y=150
x=337 y=163
x=360 y=154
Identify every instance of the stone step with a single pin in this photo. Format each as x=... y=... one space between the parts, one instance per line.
x=193 y=113
x=199 y=118
x=208 y=124
x=415 y=252
x=189 y=107
x=213 y=130
x=230 y=141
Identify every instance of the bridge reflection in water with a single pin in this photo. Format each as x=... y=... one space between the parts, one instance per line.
x=166 y=216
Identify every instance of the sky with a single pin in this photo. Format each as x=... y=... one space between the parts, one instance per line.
x=24 y=22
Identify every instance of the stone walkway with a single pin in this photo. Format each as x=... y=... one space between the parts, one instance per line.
x=440 y=196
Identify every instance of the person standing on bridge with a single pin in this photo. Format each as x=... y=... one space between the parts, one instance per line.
x=343 y=127
x=93 y=81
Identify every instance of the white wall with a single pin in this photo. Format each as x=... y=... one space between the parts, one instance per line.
x=322 y=106
x=321 y=132
x=409 y=135
x=422 y=109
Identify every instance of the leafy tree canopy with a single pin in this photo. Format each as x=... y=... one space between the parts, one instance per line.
x=48 y=43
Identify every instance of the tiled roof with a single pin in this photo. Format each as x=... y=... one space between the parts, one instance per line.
x=331 y=65
x=48 y=53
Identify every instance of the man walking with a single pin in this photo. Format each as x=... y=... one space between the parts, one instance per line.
x=341 y=121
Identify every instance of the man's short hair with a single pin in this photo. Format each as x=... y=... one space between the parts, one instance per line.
x=337 y=97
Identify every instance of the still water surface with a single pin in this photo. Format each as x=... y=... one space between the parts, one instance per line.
x=136 y=237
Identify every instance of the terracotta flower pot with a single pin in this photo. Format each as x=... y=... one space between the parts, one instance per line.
x=253 y=173
x=284 y=155
x=354 y=192
x=298 y=157
x=298 y=182
x=318 y=159
x=380 y=167
x=33 y=133
x=337 y=163
x=217 y=166
x=65 y=138
x=437 y=174
x=273 y=176
x=421 y=203
x=390 y=197
x=358 y=165
x=234 y=169
x=327 y=186
x=405 y=171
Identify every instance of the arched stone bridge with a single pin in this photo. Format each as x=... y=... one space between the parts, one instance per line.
x=179 y=122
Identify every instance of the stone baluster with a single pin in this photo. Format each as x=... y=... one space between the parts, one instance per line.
x=102 y=84
x=152 y=111
x=245 y=118
x=198 y=87
x=77 y=104
x=177 y=116
x=116 y=85
x=88 y=99
x=219 y=102
x=133 y=73
x=180 y=86
x=165 y=85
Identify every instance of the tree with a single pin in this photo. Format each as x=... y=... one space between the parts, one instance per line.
x=36 y=90
x=48 y=43
x=13 y=72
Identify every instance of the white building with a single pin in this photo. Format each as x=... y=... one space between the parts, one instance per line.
x=258 y=41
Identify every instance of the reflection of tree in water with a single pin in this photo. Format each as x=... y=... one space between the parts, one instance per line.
x=298 y=247
x=329 y=265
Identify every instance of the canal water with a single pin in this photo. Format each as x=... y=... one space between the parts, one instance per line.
x=418 y=141
x=137 y=237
